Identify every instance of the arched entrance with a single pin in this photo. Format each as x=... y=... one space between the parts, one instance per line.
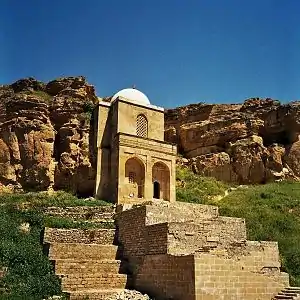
x=161 y=181
x=156 y=190
x=134 y=178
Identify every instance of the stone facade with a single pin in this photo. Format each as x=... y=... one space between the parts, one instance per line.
x=134 y=163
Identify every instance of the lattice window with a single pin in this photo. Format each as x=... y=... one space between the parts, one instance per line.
x=131 y=177
x=141 y=126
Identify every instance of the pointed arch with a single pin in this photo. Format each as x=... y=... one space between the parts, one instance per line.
x=135 y=177
x=161 y=181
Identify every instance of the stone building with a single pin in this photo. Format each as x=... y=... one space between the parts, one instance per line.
x=134 y=163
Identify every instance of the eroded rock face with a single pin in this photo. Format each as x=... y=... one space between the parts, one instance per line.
x=48 y=136
x=253 y=142
x=45 y=133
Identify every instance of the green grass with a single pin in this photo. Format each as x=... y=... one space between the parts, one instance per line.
x=272 y=212
x=43 y=199
x=196 y=189
x=30 y=274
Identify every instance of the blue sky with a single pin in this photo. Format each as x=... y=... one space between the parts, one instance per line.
x=176 y=51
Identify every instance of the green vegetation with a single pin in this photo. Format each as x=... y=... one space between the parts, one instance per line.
x=272 y=212
x=197 y=189
x=88 y=108
x=39 y=94
x=29 y=273
x=43 y=199
x=43 y=95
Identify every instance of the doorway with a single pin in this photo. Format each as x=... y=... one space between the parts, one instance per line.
x=156 y=190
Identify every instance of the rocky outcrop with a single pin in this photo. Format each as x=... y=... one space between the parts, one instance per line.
x=46 y=136
x=253 y=142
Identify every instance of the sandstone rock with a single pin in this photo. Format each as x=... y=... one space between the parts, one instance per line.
x=47 y=137
x=28 y=84
x=46 y=144
x=242 y=143
x=71 y=86
x=292 y=157
x=248 y=157
x=216 y=165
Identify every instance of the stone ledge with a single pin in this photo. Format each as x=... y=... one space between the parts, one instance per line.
x=84 y=236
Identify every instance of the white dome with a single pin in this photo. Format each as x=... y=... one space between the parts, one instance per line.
x=132 y=94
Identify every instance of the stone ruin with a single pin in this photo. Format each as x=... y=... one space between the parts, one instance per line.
x=167 y=249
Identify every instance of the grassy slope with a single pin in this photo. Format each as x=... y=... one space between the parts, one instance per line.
x=272 y=212
x=30 y=274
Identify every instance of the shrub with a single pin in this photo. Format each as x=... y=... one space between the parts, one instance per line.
x=29 y=272
x=43 y=96
x=88 y=108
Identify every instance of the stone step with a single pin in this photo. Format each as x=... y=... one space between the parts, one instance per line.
x=72 y=266
x=92 y=294
x=83 y=251
x=83 y=236
x=76 y=282
x=292 y=289
x=90 y=213
x=284 y=297
x=289 y=293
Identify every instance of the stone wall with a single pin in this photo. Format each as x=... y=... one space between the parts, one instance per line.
x=88 y=236
x=121 y=152
x=219 y=278
x=202 y=256
x=167 y=277
x=207 y=234
x=95 y=213
x=132 y=232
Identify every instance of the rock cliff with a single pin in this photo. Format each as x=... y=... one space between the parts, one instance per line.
x=253 y=142
x=47 y=137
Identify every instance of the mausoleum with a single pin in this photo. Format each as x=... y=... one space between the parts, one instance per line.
x=134 y=163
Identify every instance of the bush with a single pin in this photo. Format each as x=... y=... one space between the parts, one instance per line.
x=43 y=96
x=88 y=108
x=29 y=274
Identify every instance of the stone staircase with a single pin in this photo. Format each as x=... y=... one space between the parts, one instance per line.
x=91 y=214
x=189 y=252
x=171 y=251
x=89 y=264
x=289 y=293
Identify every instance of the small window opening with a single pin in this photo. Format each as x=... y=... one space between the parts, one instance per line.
x=141 y=126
